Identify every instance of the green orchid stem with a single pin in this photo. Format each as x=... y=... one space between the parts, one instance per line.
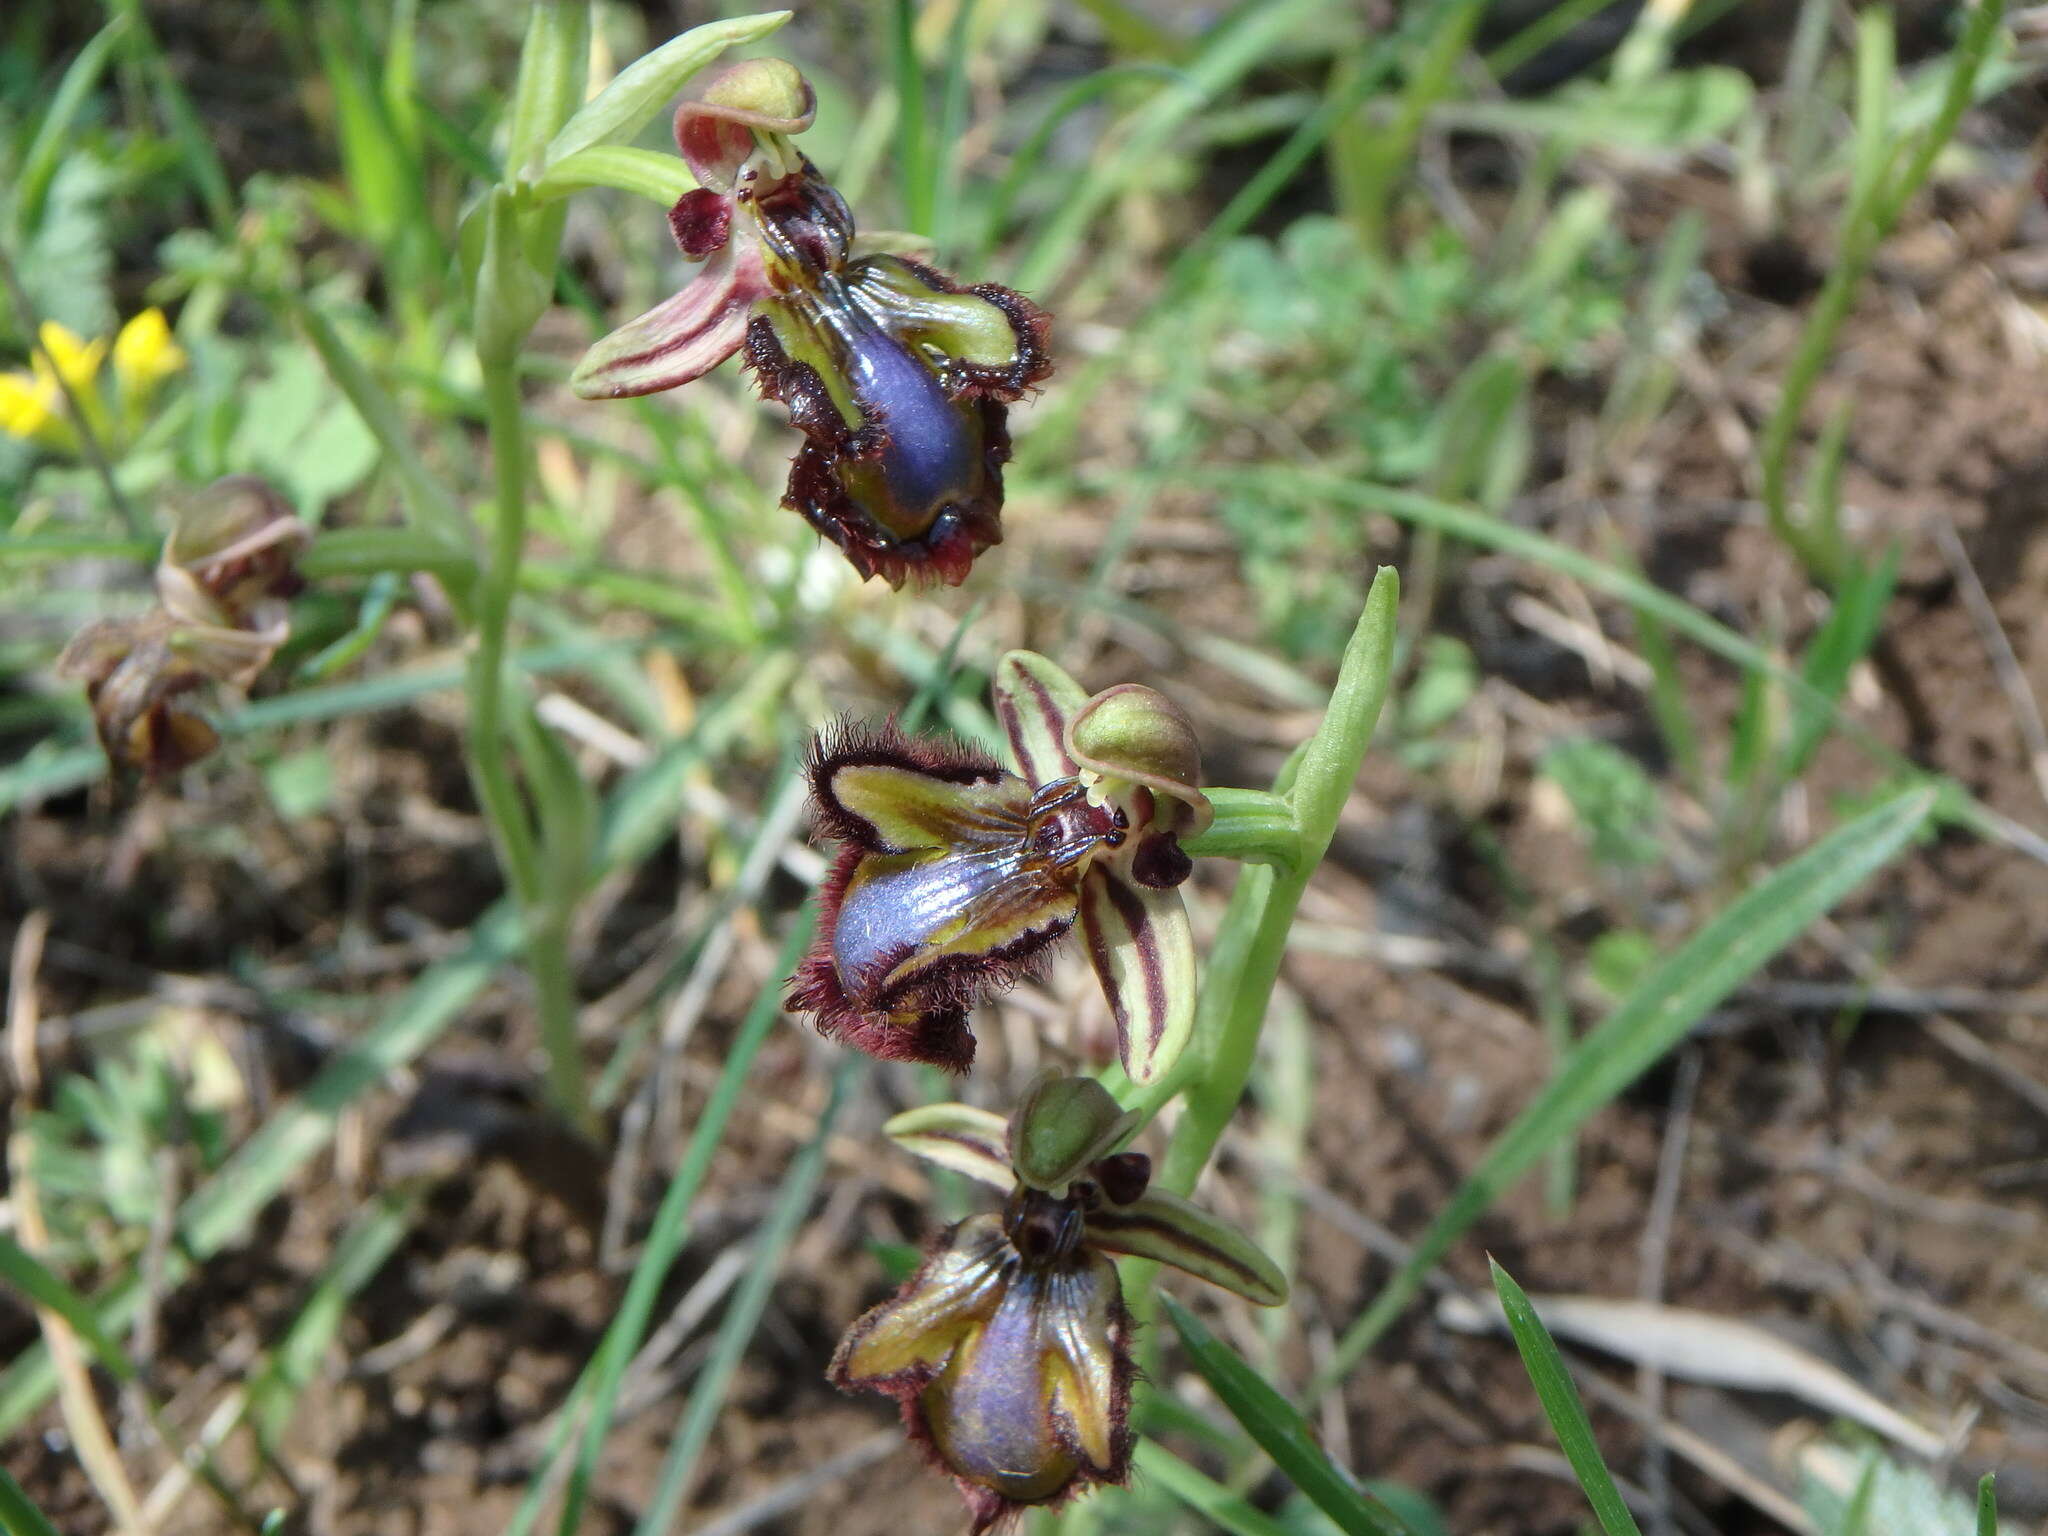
x=1252 y=939
x=1253 y=826
x=512 y=830
x=552 y=70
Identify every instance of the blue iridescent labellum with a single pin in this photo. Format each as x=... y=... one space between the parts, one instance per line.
x=955 y=874
x=897 y=376
x=1009 y=1350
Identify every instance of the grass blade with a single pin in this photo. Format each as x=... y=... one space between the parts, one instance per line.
x=1202 y=1494
x=743 y=1314
x=1562 y=1407
x=671 y=1229
x=1987 y=1505
x=1279 y=1428
x=1655 y=1016
x=18 y=1513
x=32 y=1278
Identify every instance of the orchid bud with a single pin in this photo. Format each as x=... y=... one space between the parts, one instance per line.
x=1063 y=1124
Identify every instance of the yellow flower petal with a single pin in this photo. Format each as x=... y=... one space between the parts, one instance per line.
x=77 y=362
x=26 y=404
x=144 y=352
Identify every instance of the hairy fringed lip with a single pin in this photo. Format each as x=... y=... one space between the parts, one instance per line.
x=956 y=875
x=898 y=377
x=1008 y=1351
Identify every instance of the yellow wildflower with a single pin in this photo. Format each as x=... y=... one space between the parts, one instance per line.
x=76 y=362
x=26 y=404
x=145 y=354
x=32 y=404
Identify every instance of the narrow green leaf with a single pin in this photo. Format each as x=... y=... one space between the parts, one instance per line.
x=616 y=114
x=1280 y=1429
x=29 y=1275
x=373 y=1235
x=1856 y=1518
x=742 y=1316
x=1987 y=1505
x=1561 y=1405
x=1731 y=947
x=18 y=1513
x=1203 y=1494
x=553 y=69
x=1843 y=640
x=644 y=172
x=54 y=133
x=1330 y=763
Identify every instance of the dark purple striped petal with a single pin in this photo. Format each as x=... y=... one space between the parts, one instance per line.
x=1159 y=1225
x=682 y=338
x=1143 y=952
x=1034 y=701
x=957 y=1136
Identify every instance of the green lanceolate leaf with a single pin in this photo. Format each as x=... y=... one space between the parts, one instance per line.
x=616 y=114
x=1201 y=1493
x=18 y=1513
x=956 y=1136
x=646 y=173
x=1162 y=1226
x=1281 y=1431
x=1561 y=1405
x=1664 y=1006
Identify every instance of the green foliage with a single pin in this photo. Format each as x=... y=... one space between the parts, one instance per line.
x=1562 y=1407
x=113 y=1147
x=1281 y=1432
x=1616 y=803
x=1850 y=1487
x=1321 y=383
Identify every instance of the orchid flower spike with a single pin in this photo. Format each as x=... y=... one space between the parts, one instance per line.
x=897 y=376
x=956 y=874
x=1009 y=1349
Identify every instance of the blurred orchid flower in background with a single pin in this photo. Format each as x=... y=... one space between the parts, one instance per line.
x=897 y=376
x=221 y=586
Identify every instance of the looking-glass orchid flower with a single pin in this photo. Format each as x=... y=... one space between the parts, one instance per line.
x=897 y=376
x=955 y=874
x=1008 y=1350
x=221 y=585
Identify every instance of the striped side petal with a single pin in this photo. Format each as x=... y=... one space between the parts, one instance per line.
x=1034 y=702
x=906 y=808
x=1159 y=1225
x=1082 y=1327
x=682 y=338
x=908 y=1337
x=1143 y=952
x=956 y=1136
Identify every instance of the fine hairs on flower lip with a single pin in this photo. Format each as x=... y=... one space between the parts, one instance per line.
x=897 y=377
x=1008 y=1351
x=955 y=875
